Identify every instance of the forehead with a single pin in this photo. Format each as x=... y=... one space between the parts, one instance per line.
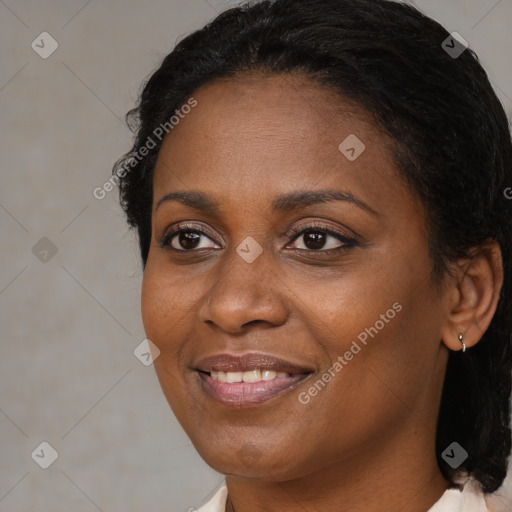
x=256 y=133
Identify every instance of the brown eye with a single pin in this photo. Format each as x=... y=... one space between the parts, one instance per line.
x=315 y=238
x=186 y=239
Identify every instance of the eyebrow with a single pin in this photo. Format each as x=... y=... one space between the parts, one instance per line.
x=283 y=203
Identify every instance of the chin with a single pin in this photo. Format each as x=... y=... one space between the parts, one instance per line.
x=251 y=462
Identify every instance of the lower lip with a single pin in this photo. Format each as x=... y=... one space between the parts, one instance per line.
x=247 y=394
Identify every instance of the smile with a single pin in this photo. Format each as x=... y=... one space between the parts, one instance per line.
x=237 y=392
x=248 y=380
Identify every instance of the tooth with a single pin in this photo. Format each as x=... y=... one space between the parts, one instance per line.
x=234 y=376
x=252 y=376
x=255 y=375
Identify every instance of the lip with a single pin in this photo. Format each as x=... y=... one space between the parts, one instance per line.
x=249 y=361
x=248 y=394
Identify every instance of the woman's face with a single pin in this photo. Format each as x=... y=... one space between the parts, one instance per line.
x=297 y=255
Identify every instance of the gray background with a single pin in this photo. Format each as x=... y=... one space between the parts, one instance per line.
x=69 y=325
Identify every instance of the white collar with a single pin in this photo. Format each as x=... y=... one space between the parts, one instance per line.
x=468 y=499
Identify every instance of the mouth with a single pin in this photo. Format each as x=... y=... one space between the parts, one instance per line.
x=248 y=380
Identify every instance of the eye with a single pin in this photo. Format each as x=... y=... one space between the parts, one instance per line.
x=315 y=238
x=186 y=238
x=318 y=238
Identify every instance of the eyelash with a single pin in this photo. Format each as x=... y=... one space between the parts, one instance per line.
x=314 y=227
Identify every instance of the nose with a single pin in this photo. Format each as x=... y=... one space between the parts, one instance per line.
x=244 y=293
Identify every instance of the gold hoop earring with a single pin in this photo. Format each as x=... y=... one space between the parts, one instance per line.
x=461 y=339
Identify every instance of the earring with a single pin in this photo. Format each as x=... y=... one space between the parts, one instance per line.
x=461 y=339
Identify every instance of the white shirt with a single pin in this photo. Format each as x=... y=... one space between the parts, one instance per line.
x=469 y=499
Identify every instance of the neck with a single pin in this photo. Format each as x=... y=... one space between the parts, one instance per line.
x=395 y=478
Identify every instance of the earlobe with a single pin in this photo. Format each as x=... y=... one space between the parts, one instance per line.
x=474 y=297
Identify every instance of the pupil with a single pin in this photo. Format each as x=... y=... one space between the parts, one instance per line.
x=316 y=239
x=188 y=240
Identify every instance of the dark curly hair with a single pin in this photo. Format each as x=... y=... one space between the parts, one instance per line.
x=453 y=148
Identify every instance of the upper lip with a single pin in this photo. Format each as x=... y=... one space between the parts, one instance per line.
x=249 y=361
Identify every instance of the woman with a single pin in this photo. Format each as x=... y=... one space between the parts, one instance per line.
x=319 y=189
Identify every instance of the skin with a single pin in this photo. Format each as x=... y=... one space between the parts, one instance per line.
x=372 y=428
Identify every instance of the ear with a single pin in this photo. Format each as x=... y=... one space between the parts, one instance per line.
x=473 y=295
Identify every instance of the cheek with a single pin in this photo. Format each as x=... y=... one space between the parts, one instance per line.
x=340 y=305
x=164 y=300
x=163 y=325
x=169 y=306
x=382 y=317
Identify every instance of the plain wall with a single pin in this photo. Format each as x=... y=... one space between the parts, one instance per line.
x=69 y=325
